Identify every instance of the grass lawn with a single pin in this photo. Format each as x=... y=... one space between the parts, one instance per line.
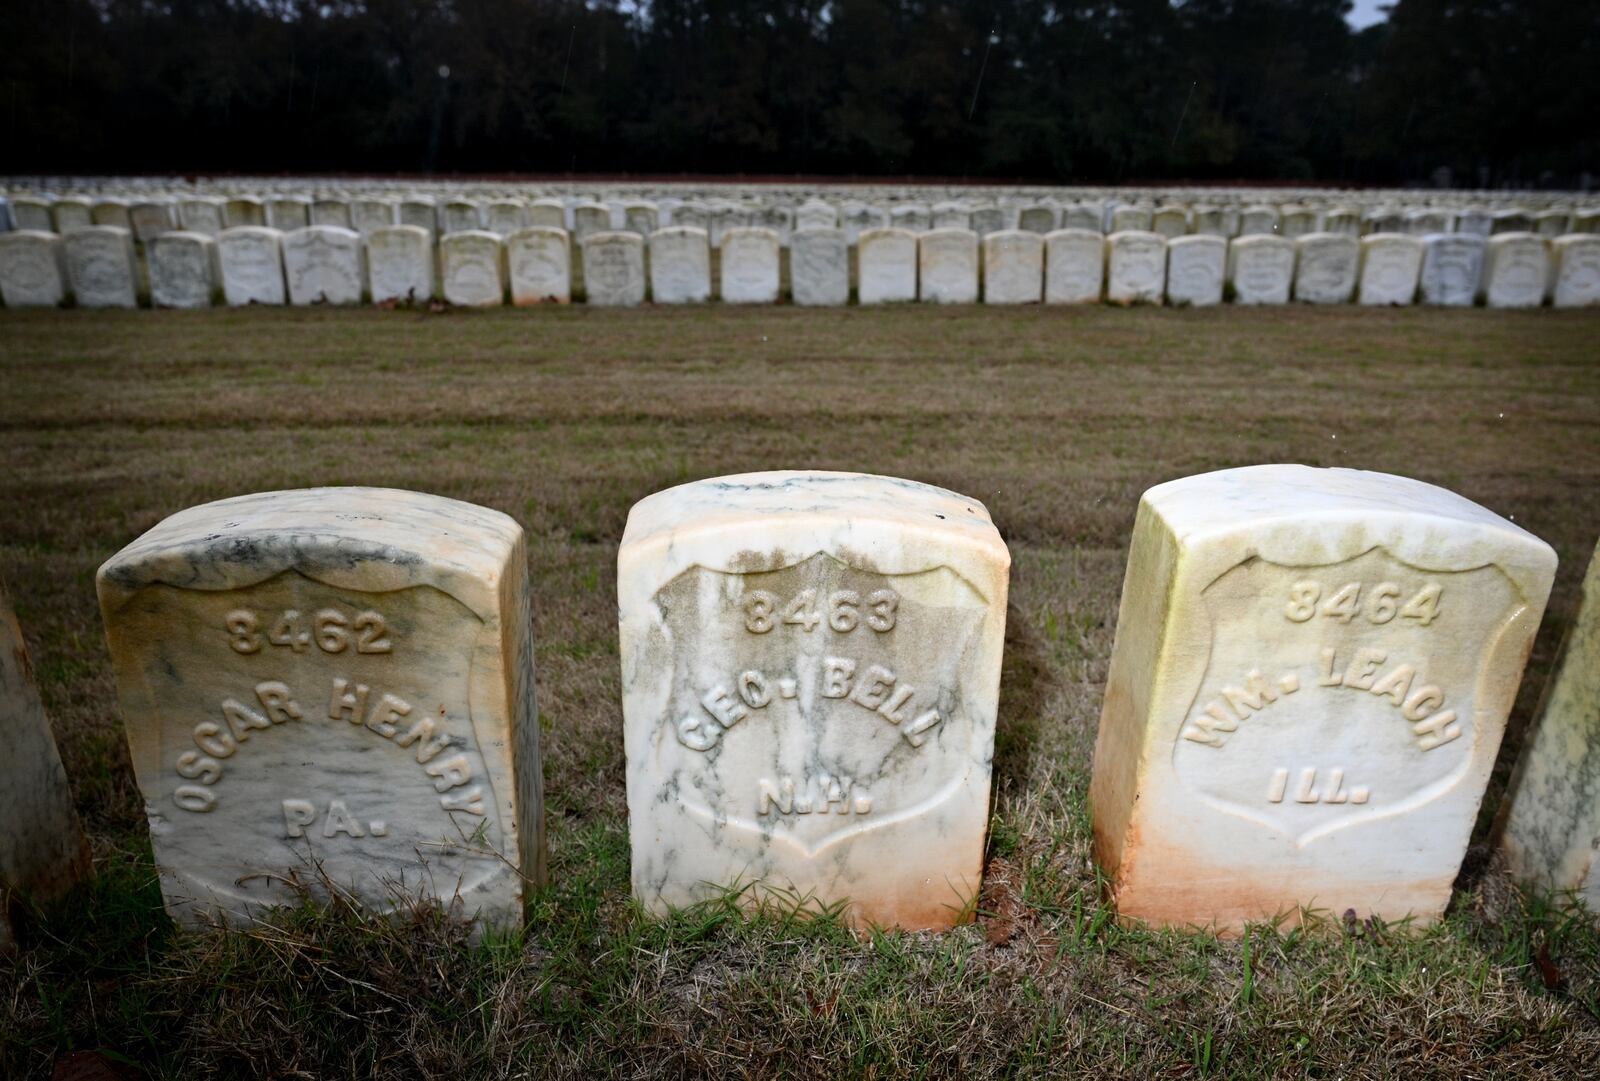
x=1057 y=419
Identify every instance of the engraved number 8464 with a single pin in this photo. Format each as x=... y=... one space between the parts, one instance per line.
x=1380 y=605
x=761 y=610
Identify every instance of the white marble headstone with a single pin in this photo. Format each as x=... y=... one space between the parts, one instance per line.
x=680 y=265
x=1577 y=270
x=1040 y=218
x=460 y=216
x=613 y=269
x=819 y=267
x=470 y=269
x=250 y=259
x=810 y=669
x=1550 y=823
x=950 y=215
x=287 y=214
x=32 y=271
x=367 y=215
x=330 y=212
x=1196 y=266
x=400 y=264
x=1325 y=268
x=947 y=266
x=72 y=214
x=1136 y=267
x=1390 y=264
x=42 y=849
x=1013 y=267
x=1170 y=221
x=539 y=265
x=1310 y=680
x=502 y=217
x=183 y=270
x=332 y=681
x=815 y=214
x=749 y=266
x=886 y=261
x=1261 y=269
x=323 y=264
x=1075 y=264
x=1516 y=270
x=201 y=215
x=548 y=214
x=242 y=211
x=100 y=266
x=32 y=215
x=1452 y=266
x=420 y=211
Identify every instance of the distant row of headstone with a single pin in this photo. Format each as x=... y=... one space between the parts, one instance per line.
x=101 y=266
x=333 y=689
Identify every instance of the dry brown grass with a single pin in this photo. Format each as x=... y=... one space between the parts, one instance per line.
x=1057 y=419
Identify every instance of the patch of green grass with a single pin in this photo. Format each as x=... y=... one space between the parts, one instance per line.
x=1056 y=418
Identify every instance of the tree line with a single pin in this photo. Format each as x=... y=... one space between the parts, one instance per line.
x=1492 y=93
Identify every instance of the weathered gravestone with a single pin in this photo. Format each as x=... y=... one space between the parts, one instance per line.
x=422 y=212
x=1207 y=221
x=1013 y=267
x=1297 y=221
x=470 y=269
x=810 y=668
x=547 y=214
x=1586 y=220
x=1261 y=269
x=1511 y=220
x=749 y=266
x=1131 y=219
x=242 y=211
x=724 y=216
x=539 y=264
x=460 y=216
x=323 y=265
x=112 y=212
x=1325 y=268
x=950 y=215
x=858 y=218
x=589 y=219
x=183 y=270
x=1310 y=680
x=1577 y=260
x=330 y=212
x=1136 y=267
x=250 y=259
x=201 y=215
x=1042 y=218
x=1382 y=219
x=1516 y=270
x=1552 y=223
x=1075 y=265
x=1258 y=220
x=32 y=271
x=333 y=684
x=1196 y=266
x=1452 y=265
x=1423 y=221
x=502 y=217
x=148 y=220
x=947 y=266
x=915 y=218
x=693 y=216
x=1170 y=221
x=368 y=215
x=613 y=269
x=987 y=219
x=1341 y=221
x=1087 y=216
x=288 y=214
x=1475 y=221
x=100 y=266
x=72 y=214
x=400 y=264
x=42 y=850
x=814 y=215
x=30 y=214
x=680 y=265
x=1550 y=822
x=641 y=217
x=886 y=266
x=1390 y=264
x=819 y=267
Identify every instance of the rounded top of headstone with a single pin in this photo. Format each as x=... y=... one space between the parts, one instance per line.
x=374 y=539
x=1298 y=514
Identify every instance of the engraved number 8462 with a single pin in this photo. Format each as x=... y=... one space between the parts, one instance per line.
x=330 y=628
x=1381 y=604
x=761 y=610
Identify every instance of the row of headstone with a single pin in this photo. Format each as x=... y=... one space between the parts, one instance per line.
x=97 y=266
x=333 y=689
x=505 y=214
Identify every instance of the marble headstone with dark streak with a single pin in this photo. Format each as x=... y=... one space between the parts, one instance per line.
x=331 y=687
x=811 y=666
x=42 y=850
x=1550 y=827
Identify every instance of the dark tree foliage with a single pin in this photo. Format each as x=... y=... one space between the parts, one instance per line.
x=1495 y=92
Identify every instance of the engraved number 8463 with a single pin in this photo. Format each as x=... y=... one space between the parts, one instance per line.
x=761 y=610
x=1380 y=605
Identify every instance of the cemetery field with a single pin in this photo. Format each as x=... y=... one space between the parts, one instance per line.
x=1056 y=418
